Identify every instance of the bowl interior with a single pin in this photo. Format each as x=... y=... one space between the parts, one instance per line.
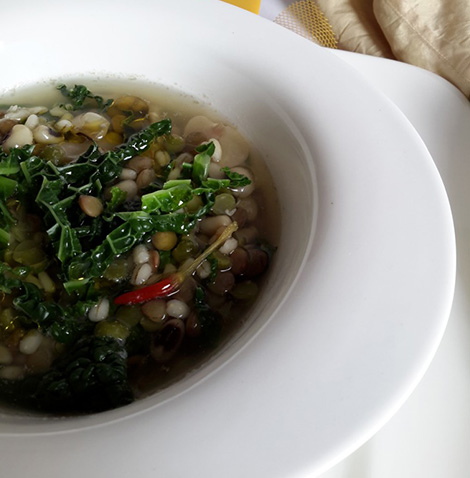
x=276 y=138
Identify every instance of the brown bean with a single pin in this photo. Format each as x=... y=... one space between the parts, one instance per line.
x=41 y=360
x=155 y=310
x=187 y=290
x=154 y=259
x=223 y=282
x=168 y=340
x=145 y=178
x=250 y=206
x=209 y=225
x=247 y=235
x=90 y=205
x=5 y=127
x=193 y=327
x=239 y=260
x=240 y=216
x=139 y=163
x=257 y=262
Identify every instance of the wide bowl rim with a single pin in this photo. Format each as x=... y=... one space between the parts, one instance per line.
x=379 y=115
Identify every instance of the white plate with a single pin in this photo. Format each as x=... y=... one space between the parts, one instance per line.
x=352 y=339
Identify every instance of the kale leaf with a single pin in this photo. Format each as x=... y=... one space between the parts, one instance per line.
x=202 y=161
x=65 y=325
x=237 y=180
x=80 y=93
x=90 y=377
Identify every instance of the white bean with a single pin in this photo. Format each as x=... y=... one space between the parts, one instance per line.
x=46 y=282
x=30 y=342
x=217 y=156
x=154 y=116
x=67 y=116
x=91 y=124
x=209 y=225
x=58 y=111
x=229 y=246
x=63 y=125
x=20 y=114
x=128 y=186
x=215 y=171
x=99 y=311
x=45 y=135
x=141 y=274
x=32 y=122
x=20 y=135
x=162 y=157
x=204 y=270
x=175 y=172
x=128 y=173
x=6 y=357
x=140 y=254
x=177 y=308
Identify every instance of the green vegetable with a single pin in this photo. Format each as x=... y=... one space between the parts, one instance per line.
x=113 y=329
x=138 y=341
x=237 y=180
x=138 y=226
x=80 y=93
x=202 y=161
x=61 y=232
x=9 y=168
x=86 y=257
x=214 y=267
x=118 y=196
x=90 y=377
x=55 y=189
x=169 y=199
x=64 y=325
x=210 y=321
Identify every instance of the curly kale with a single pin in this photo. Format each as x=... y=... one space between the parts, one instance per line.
x=90 y=377
x=80 y=93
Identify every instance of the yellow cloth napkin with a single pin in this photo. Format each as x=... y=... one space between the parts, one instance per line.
x=250 y=5
x=431 y=34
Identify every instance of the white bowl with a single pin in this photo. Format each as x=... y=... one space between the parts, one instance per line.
x=361 y=287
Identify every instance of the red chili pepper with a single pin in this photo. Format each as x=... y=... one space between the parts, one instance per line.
x=163 y=288
x=172 y=283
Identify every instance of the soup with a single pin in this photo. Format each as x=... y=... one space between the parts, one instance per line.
x=134 y=237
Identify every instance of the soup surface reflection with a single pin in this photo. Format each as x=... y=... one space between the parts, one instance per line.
x=135 y=232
